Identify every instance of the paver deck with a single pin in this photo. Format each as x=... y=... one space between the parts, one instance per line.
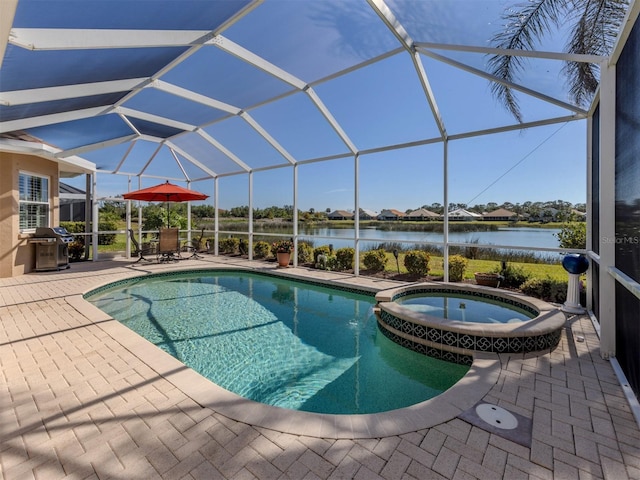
x=78 y=400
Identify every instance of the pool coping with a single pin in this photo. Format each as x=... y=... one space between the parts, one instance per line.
x=476 y=383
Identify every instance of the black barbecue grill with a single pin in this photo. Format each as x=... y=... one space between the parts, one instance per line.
x=52 y=248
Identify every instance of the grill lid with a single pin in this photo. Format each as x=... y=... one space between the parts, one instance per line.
x=52 y=232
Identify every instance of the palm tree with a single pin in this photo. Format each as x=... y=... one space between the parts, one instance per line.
x=594 y=26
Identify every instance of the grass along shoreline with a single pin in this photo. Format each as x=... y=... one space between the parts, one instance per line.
x=436 y=268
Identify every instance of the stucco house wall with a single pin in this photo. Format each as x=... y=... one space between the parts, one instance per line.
x=17 y=256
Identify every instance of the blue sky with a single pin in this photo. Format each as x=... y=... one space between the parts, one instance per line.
x=379 y=105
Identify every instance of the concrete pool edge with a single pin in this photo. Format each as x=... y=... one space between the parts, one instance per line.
x=476 y=383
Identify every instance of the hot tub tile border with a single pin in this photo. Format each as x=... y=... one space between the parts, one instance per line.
x=446 y=355
x=404 y=331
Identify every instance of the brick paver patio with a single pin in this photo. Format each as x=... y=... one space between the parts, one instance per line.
x=77 y=402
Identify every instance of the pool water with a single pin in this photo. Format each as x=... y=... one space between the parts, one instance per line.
x=464 y=308
x=283 y=343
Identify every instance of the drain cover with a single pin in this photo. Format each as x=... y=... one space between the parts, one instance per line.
x=497 y=416
x=501 y=422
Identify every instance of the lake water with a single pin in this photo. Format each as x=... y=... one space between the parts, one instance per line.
x=517 y=237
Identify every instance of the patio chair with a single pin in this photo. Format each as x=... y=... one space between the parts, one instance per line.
x=195 y=245
x=169 y=245
x=140 y=252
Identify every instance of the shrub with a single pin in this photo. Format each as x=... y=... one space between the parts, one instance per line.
x=261 y=249
x=229 y=245
x=73 y=227
x=108 y=221
x=457 y=266
x=243 y=246
x=573 y=235
x=107 y=224
x=76 y=250
x=155 y=217
x=417 y=262
x=375 y=260
x=514 y=276
x=305 y=253
x=321 y=250
x=332 y=263
x=104 y=224
x=546 y=289
x=344 y=258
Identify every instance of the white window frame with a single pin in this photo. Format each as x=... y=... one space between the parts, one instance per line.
x=42 y=202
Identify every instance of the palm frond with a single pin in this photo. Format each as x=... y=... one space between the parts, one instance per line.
x=595 y=33
x=525 y=24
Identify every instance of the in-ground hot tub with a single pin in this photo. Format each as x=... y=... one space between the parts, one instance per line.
x=448 y=329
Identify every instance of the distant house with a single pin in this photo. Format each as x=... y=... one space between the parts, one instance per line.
x=367 y=214
x=462 y=215
x=340 y=215
x=391 y=214
x=422 y=214
x=72 y=202
x=578 y=215
x=500 y=215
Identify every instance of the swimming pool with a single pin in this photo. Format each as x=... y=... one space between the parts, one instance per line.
x=295 y=345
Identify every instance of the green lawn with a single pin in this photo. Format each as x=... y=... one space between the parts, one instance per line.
x=539 y=270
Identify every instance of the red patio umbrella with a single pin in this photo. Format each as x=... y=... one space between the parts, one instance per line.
x=165 y=192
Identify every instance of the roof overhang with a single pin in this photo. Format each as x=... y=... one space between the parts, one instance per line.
x=68 y=167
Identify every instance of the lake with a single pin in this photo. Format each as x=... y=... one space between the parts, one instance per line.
x=508 y=236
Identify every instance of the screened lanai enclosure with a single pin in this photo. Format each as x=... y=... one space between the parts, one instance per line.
x=359 y=105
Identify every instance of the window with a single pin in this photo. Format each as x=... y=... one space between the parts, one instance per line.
x=34 y=201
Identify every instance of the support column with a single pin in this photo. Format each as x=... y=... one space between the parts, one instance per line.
x=607 y=295
x=356 y=214
x=216 y=229
x=128 y=220
x=250 y=229
x=94 y=218
x=139 y=213
x=88 y=212
x=445 y=233
x=590 y=183
x=189 y=216
x=295 y=215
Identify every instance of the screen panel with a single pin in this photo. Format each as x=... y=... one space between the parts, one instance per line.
x=627 y=208
x=627 y=162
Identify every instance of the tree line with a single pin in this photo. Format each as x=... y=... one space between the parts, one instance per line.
x=526 y=208
x=157 y=212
